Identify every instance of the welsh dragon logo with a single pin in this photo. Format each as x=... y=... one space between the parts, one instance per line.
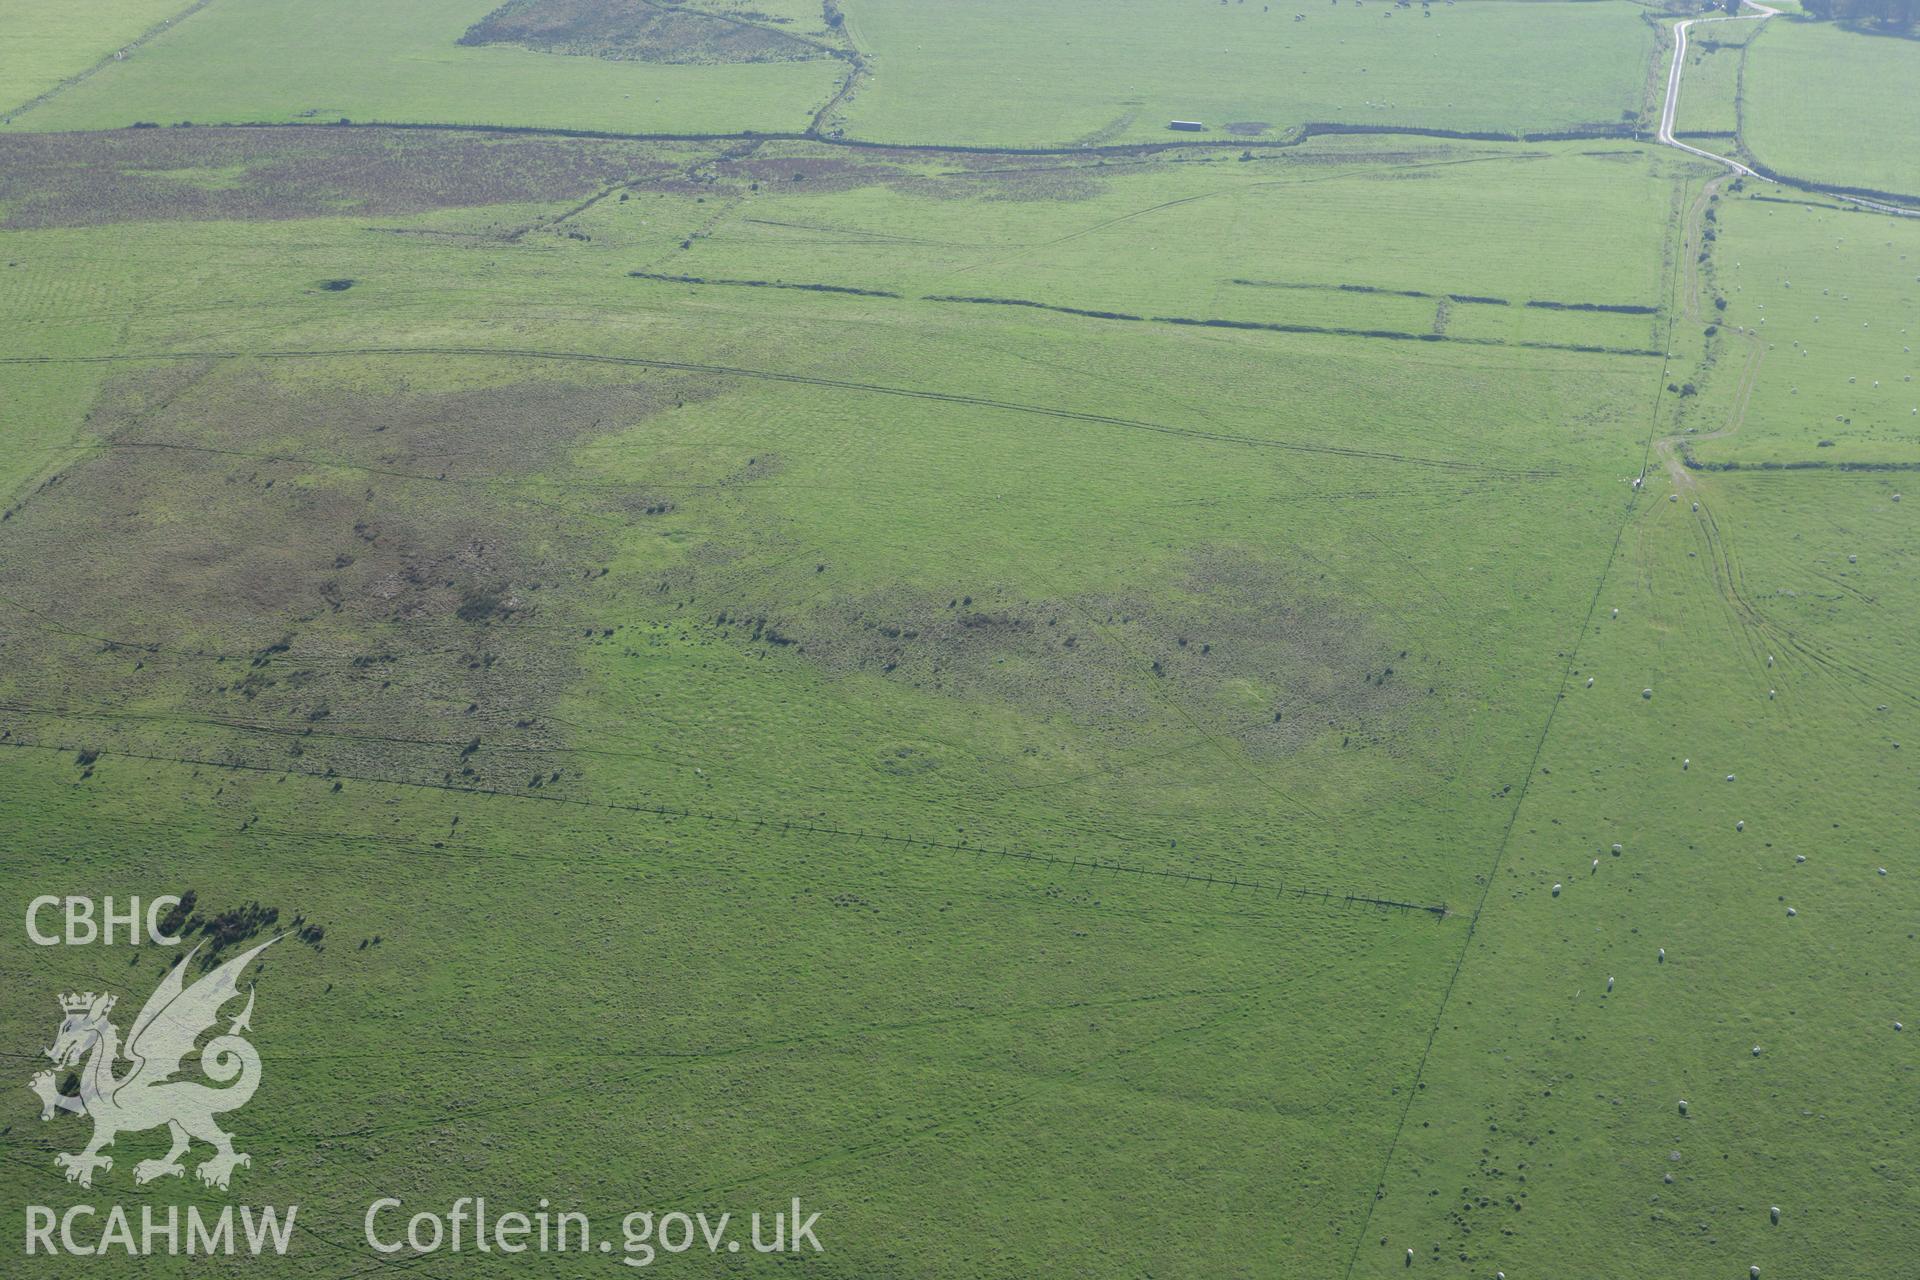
x=148 y=1094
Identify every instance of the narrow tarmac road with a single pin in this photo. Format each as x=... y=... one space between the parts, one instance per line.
x=1672 y=106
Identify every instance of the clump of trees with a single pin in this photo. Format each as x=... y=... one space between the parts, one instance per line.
x=1890 y=15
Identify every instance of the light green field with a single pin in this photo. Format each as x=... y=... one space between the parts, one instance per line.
x=1709 y=97
x=1830 y=105
x=1015 y=74
x=1096 y=715
x=47 y=41
x=370 y=60
x=1833 y=298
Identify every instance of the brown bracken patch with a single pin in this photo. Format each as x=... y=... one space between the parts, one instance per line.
x=1234 y=640
x=92 y=179
x=636 y=31
x=275 y=568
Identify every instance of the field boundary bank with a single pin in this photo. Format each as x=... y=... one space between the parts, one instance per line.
x=1201 y=322
x=1295 y=137
x=1692 y=463
x=1675 y=289
x=1880 y=201
x=801 y=379
x=1277 y=888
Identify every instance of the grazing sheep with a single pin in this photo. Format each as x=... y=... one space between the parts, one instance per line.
x=1683 y=1106
x=1616 y=849
x=1740 y=825
x=1686 y=763
x=1791 y=913
x=1609 y=982
x=1774 y=1213
x=1556 y=890
x=1589 y=682
x=1663 y=955
x=1595 y=867
x=1799 y=858
x=1756 y=1051
x=1729 y=777
x=1646 y=693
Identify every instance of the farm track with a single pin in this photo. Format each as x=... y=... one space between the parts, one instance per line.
x=836 y=384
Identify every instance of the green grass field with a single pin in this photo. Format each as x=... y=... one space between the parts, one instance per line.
x=48 y=43
x=1224 y=711
x=1015 y=74
x=1709 y=102
x=1835 y=106
x=248 y=61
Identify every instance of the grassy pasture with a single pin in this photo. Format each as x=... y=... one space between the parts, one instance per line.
x=1528 y=1147
x=1013 y=74
x=1286 y=238
x=276 y=499
x=1834 y=298
x=1831 y=105
x=48 y=41
x=364 y=59
x=755 y=712
x=1709 y=89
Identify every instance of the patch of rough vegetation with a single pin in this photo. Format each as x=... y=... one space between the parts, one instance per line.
x=1241 y=644
x=129 y=175
x=279 y=570
x=636 y=31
